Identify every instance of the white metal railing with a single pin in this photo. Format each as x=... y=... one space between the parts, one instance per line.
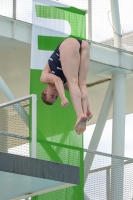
x=107 y=168
x=24 y=116
x=112 y=32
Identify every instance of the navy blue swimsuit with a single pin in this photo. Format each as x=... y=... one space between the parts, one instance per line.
x=55 y=64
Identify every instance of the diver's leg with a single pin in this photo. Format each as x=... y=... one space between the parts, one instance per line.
x=83 y=70
x=70 y=60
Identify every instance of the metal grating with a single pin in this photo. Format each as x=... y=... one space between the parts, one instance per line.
x=110 y=177
x=58 y=153
x=6 y=8
x=15 y=129
x=100 y=15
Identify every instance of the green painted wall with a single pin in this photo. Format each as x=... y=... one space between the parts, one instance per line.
x=74 y=16
x=56 y=138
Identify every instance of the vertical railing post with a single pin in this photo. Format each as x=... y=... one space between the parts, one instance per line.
x=14 y=18
x=34 y=125
x=89 y=19
x=116 y=23
x=108 y=183
x=14 y=9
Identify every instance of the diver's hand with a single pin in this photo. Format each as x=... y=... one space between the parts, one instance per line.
x=64 y=102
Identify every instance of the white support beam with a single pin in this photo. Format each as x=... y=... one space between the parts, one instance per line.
x=98 y=53
x=118 y=136
x=111 y=57
x=63 y=186
x=98 y=129
x=21 y=31
x=119 y=111
x=117 y=179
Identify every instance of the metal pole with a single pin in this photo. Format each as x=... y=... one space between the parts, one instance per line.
x=7 y=92
x=14 y=17
x=14 y=9
x=9 y=95
x=116 y=23
x=3 y=127
x=34 y=124
x=118 y=136
x=98 y=129
x=89 y=19
x=119 y=110
x=108 y=183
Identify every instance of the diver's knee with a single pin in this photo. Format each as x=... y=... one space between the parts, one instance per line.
x=72 y=80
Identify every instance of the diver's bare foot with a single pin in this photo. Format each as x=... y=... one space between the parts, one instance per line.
x=80 y=125
x=89 y=115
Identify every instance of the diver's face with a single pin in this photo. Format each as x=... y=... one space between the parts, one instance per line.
x=52 y=93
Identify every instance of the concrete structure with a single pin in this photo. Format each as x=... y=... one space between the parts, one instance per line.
x=106 y=62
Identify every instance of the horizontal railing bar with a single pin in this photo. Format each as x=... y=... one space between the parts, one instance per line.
x=107 y=155
x=15 y=20
x=13 y=135
x=108 y=167
x=18 y=100
x=99 y=169
x=109 y=46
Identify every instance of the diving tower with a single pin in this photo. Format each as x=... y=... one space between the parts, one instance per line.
x=22 y=174
x=22 y=177
x=110 y=90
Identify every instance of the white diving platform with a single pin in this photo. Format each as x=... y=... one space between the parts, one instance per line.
x=22 y=177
